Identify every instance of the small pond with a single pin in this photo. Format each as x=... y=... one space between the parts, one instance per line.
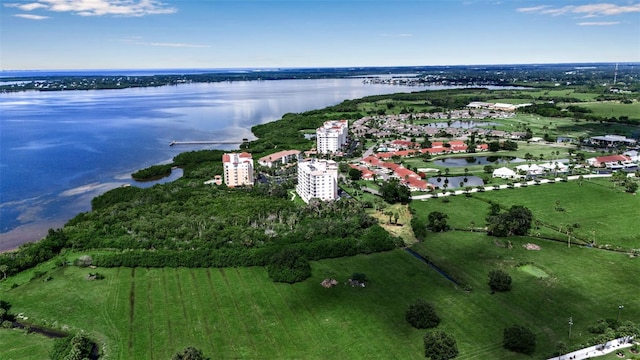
x=476 y=160
x=453 y=182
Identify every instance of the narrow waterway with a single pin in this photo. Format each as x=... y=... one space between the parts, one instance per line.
x=432 y=265
x=50 y=333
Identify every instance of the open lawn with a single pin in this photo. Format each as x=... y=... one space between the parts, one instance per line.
x=614 y=109
x=583 y=283
x=587 y=209
x=240 y=313
x=16 y=344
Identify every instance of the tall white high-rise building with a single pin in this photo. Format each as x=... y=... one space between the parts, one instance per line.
x=332 y=136
x=238 y=169
x=317 y=179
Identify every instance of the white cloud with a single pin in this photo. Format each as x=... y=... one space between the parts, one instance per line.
x=590 y=10
x=532 y=9
x=31 y=16
x=598 y=23
x=27 y=7
x=99 y=7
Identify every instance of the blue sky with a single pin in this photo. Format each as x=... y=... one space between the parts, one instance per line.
x=139 y=34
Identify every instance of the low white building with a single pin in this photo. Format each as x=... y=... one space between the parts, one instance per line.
x=332 y=136
x=530 y=169
x=555 y=166
x=504 y=173
x=634 y=155
x=317 y=179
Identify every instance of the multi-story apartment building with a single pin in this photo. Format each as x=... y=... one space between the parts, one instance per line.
x=238 y=169
x=332 y=136
x=317 y=179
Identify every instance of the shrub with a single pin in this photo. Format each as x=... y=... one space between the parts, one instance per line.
x=438 y=345
x=422 y=315
x=84 y=261
x=499 y=280
x=188 y=353
x=519 y=339
x=359 y=277
x=76 y=347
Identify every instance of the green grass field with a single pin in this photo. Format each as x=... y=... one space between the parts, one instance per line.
x=606 y=279
x=589 y=206
x=239 y=313
x=615 y=109
x=16 y=344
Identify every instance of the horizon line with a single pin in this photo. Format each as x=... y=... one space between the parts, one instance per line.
x=326 y=67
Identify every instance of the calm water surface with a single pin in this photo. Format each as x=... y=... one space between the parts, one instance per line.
x=58 y=150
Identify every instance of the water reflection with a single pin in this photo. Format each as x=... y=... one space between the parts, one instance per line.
x=477 y=160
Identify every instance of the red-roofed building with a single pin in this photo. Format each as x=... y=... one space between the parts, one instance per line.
x=279 y=158
x=434 y=151
x=611 y=161
x=385 y=155
x=404 y=144
x=418 y=185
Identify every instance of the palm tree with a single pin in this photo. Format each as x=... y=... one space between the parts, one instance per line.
x=4 y=269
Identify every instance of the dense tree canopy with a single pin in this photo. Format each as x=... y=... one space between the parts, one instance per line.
x=288 y=266
x=438 y=345
x=422 y=315
x=520 y=339
x=516 y=221
x=499 y=280
x=394 y=192
x=438 y=221
x=77 y=347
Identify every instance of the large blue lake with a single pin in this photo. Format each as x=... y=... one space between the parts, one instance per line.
x=58 y=150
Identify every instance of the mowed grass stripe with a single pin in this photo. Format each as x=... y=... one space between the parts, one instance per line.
x=203 y=300
x=158 y=329
x=192 y=305
x=221 y=326
x=286 y=343
x=142 y=316
x=164 y=317
x=111 y=299
x=120 y=311
x=181 y=322
x=254 y=322
x=213 y=333
x=237 y=329
x=268 y=325
x=169 y=307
